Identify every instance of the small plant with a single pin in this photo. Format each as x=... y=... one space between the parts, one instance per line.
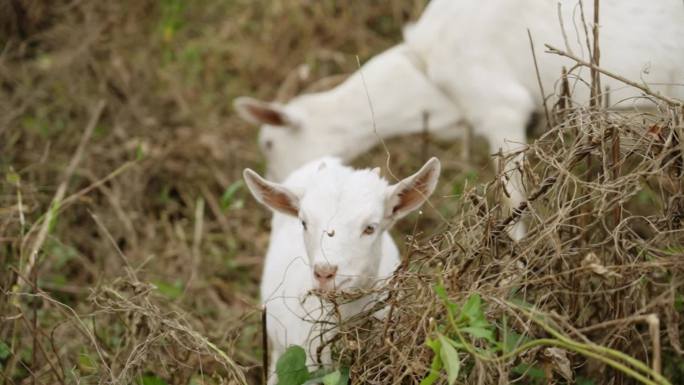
x=230 y=198
x=291 y=369
x=462 y=181
x=470 y=320
x=151 y=379
x=469 y=333
x=5 y=352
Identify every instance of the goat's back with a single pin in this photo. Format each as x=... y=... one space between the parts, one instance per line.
x=639 y=40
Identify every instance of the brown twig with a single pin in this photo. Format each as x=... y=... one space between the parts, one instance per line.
x=643 y=88
x=539 y=81
x=522 y=207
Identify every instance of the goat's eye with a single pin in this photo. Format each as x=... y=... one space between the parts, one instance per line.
x=368 y=230
x=266 y=144
x=303 y=224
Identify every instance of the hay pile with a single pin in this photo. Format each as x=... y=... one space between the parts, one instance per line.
x=603 y=262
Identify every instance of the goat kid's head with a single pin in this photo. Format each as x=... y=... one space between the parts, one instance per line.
x=343 y=214
x=289 y=134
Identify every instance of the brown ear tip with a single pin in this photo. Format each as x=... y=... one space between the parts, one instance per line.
x=244 y=106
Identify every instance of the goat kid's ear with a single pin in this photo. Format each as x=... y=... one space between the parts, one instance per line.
x=258 y=112
x=272 y=195
x=410 y=193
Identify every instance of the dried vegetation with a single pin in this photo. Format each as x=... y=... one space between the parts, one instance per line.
x=602 y=263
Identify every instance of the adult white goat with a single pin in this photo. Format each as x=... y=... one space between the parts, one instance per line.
x=329 y=231
x=470 y=61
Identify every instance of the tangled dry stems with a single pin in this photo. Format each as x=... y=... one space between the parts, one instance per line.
x=596 y=258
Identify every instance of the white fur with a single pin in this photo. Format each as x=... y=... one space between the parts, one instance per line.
x=332 y=197
x=470 y=61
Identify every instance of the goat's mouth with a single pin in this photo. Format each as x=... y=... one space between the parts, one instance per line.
x=333 y=287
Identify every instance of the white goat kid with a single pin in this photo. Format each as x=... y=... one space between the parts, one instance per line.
x=329 y=232
x=470 y=61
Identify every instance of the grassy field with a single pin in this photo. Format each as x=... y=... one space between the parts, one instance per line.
x=130 y=250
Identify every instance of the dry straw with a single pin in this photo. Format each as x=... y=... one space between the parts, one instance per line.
x=603 y=256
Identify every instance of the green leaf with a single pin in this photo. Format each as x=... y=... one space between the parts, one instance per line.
x=472 y=309
x=151 y=379
x=318 y=374
x=54 y=212
x=291 y=367
x=512 y=340
x=170 y=290
x=441 y=292
x=449 y=357
x=344 y=376
x=434 y=345
x=436 y=364
x=679 y=302
x=86 y=363
x=139 y=152
x=479 y=332
x=530 y=371
x=455 y=344
x=480 y=323
x=314 y=379
x=5 y=350
x=12 y=177
x=459 y=184
x=332 y=378
x=228 y=198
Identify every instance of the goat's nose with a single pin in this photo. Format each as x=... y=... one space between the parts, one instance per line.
x=324 y=272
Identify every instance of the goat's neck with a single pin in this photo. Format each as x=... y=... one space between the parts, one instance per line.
x=388 y=97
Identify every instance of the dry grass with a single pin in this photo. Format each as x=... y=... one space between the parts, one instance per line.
x=603 y=258
x=160 y=170
x=148 y=249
